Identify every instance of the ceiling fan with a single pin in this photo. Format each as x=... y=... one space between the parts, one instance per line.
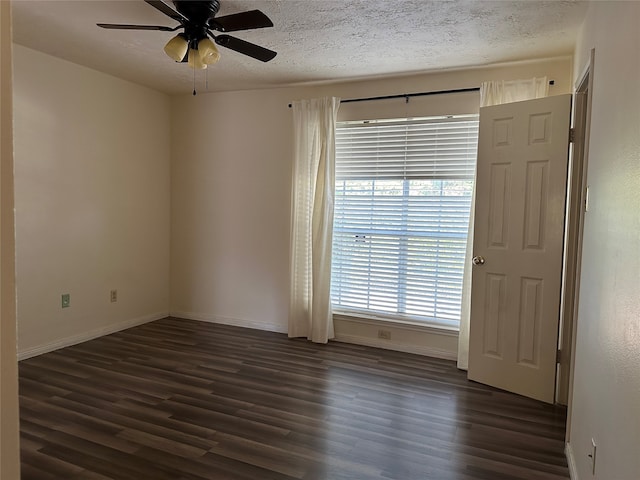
x=195 y=44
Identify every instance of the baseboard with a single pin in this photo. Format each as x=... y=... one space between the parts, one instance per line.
x=357 y=340
x=83 y=337
x=400 y=347
x=571 y=461
x=236 y=322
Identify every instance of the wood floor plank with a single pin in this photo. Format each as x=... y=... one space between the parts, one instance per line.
x=179 y=399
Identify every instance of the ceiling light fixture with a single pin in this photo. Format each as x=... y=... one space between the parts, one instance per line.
x=208 y=51
x=195 y=61
x=177 y=47
x=202 y=52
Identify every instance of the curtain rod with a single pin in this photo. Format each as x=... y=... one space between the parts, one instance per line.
x=406 y=96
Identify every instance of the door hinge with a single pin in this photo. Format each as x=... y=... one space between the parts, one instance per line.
x=558 y=356
x=572 y=135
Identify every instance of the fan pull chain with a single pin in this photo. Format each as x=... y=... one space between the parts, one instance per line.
x=194 y=82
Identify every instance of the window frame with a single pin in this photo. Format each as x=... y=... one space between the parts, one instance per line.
x=397 y=317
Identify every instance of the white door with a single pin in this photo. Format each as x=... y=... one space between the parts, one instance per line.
x=518 y=242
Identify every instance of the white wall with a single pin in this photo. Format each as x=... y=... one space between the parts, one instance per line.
x=606 y=395
x=230 y=177
x=231 y=184
x=9 y=431
x=92 y=188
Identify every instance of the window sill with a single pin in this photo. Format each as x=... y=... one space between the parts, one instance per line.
x=363 y=318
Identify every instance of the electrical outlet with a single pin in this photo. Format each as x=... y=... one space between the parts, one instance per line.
x=114 y=295
x=592 y=457
x=384 y=334
x=66 y=300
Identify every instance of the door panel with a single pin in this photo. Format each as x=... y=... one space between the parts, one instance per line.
x=519 y=229
x=499 y=208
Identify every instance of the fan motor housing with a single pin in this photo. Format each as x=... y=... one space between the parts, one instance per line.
x=198 y=12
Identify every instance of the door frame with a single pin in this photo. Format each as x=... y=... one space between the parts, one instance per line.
x=577 y=208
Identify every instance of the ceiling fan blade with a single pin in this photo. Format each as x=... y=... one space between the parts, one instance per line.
x=117 y=26
x=241 y=21
x=167 y=10
x=246 y=48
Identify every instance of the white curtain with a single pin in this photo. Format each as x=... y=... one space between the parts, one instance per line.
x=507 y=91
x=465 y=314
x=310 y=313
x=491 y=93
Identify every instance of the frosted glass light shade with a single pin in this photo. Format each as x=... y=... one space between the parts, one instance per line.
x=176 y=48
x=195 y=61
x=208 y=51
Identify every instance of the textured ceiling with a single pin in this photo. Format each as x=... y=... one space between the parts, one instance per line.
x=316 y=40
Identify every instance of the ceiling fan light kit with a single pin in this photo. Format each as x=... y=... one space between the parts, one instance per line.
x=196 y=45
x=195 y=61
x=208 y=51
x=177 y=47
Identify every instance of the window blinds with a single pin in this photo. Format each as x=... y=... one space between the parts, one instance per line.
x=402 y=202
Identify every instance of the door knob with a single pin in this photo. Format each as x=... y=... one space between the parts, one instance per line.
x=478 y=260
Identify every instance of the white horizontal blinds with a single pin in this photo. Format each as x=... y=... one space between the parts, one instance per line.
x=402 y=201
x=443 y=147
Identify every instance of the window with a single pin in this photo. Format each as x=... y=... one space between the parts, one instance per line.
x=402 y=203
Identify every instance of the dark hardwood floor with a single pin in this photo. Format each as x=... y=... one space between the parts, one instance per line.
x=180 y=399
